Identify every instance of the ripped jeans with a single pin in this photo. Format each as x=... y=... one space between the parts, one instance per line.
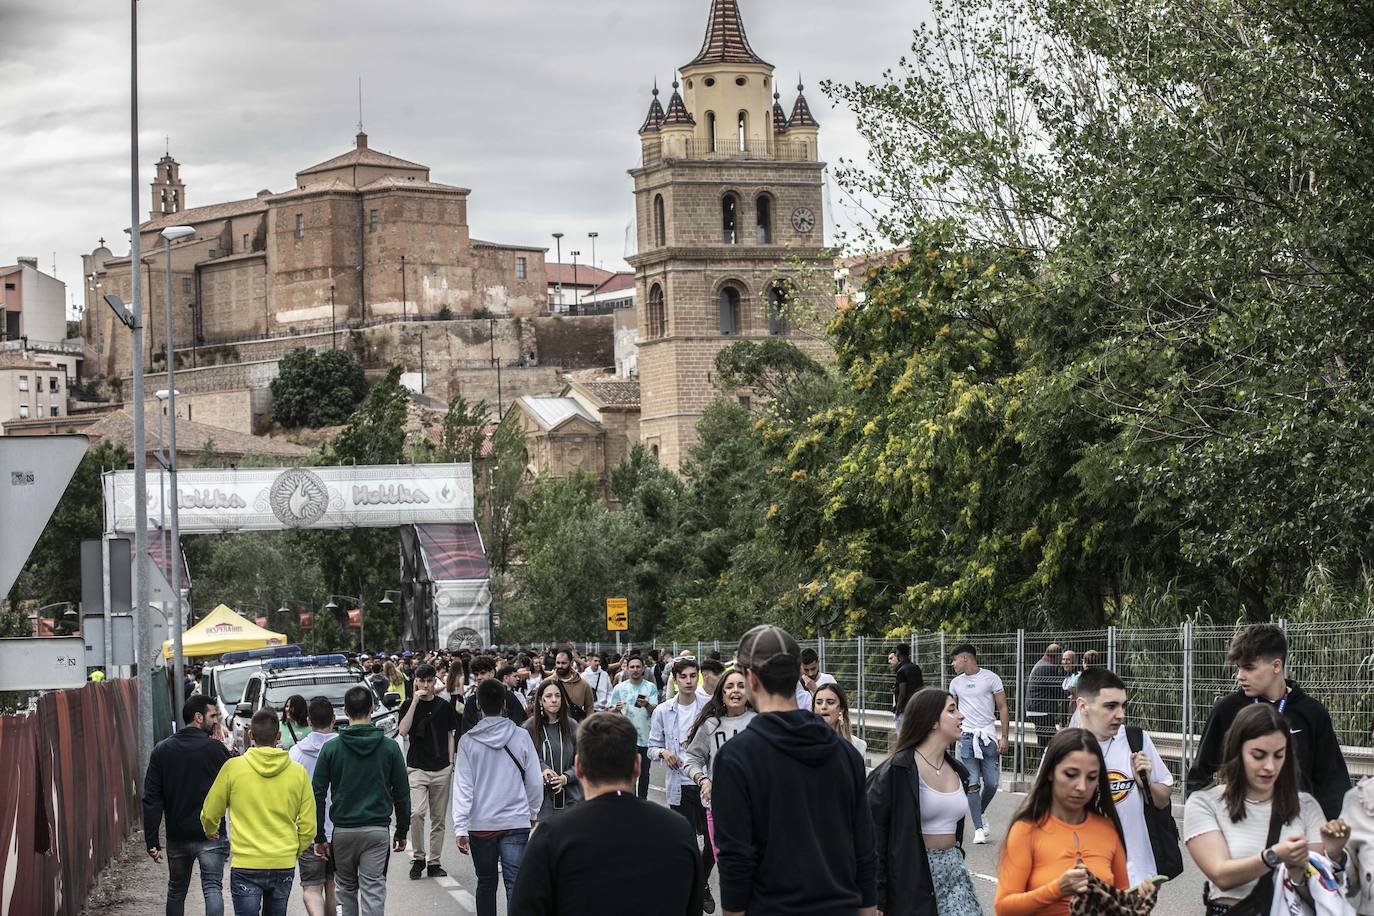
x=983 y=776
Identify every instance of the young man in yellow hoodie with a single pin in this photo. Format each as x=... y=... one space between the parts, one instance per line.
x=272 y=808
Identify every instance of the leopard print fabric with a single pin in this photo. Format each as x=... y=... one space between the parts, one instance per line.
x=1101 y=899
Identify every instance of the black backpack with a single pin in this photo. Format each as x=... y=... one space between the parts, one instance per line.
x=1159 y=821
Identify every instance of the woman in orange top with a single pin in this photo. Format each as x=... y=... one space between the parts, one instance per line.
x=1066 y=827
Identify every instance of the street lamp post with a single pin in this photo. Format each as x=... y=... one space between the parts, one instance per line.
x=593 y=236
x=170 y=234
x=362 y=617
x=577 y=290
x=558 y=241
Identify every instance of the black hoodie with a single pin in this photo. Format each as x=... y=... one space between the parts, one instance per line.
x=1320 y=761
x=791 y=819
x=181 y=771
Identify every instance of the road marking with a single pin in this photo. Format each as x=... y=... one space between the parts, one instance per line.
x=464 y=899
x=446 y=881
x=992 y=878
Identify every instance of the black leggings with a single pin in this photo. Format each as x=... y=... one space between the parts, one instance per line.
x=643 y=790
x=692 y=809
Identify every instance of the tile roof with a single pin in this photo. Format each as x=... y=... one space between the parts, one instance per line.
x=318 y=187
x=395 y=181
x=655 y=116
x=192 y=437
x=617 y=393
x=587 y=275
x=801 y=112
x=479 y=243
x=206 y=214
x=779 y=116
x=620 y=280
x=726 y=41
x=677 y=110
x=363 y=156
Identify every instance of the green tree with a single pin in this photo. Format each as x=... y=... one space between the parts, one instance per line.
x=503 y=473
x=316 y=388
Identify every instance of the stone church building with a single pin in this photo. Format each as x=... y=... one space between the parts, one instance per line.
x=362 y=237
x=729 y=206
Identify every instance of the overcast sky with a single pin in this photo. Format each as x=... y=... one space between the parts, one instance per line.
x=533 y=104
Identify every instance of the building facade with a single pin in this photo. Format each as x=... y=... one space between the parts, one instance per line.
x=362 y=237
x=33 y=305
x=729 y=201
x=31 y=388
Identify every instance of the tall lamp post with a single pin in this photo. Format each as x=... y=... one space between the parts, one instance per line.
x=577 y=290
x=558 y=241
x=285 y=611
x=362 y=617
x=169 y=235
x=593 y=237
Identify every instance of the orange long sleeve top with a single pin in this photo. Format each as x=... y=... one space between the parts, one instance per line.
x=1037 y=855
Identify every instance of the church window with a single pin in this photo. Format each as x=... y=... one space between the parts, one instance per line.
x=247 y=243
x=656 y=317
x=741 y=81
x=778 y=296
x=710 y=81
x=711 y=130
x=186 y=285
x=372 y=220
x=763 y=216
x=214 y=253
x=729 y=218
x=729 y=310
x=521 y=266
x=660 y=222
x=743 y=123
x=300 y=225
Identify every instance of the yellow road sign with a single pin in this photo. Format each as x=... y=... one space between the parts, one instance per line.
x=617 y=614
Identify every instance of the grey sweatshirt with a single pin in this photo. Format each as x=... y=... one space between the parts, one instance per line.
x=710 y=738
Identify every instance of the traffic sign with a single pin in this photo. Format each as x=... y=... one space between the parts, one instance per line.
x=617 y=614
x=42 y=663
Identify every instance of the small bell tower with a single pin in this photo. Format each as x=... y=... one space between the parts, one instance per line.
x=169 y=194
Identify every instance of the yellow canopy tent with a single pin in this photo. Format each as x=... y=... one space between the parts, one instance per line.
x=222 y=631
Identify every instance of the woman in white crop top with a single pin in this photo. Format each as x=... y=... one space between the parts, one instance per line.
x=831 y=704
x=919 y=800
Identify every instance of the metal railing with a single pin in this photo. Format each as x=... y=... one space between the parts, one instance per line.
x=1173 y=675
x=727 y=148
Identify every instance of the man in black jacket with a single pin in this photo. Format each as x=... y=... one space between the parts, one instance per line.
x=181 y=771
x=483 y=667
x=567 y=871
x=1044 y=699
x=792 y=824
x=1259 y=653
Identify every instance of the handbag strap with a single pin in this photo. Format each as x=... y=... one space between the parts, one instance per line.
x=511 y=755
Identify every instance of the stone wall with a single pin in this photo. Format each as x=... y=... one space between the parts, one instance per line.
x=576 y=342
x=225 y=409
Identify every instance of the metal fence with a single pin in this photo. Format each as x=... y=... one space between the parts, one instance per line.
x=1173 y=675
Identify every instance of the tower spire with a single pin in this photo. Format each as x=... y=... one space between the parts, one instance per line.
x=779 y=116
x=677 y=110
x=726 y=41
x=654 y=119
x=801 y=112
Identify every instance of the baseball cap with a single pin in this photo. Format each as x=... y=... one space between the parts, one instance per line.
x=769 y=648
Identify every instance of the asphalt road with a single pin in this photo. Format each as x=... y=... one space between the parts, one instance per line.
x=454 y=894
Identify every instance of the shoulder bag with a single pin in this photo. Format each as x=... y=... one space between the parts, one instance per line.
x=1159 y=821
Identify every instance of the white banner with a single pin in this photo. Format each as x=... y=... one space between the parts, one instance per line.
x=212 y=500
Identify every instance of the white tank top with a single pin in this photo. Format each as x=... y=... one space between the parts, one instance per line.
x=941 y=812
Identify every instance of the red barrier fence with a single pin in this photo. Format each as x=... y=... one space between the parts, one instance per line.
x=68 y=795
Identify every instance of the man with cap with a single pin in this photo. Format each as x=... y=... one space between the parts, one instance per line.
x=792 y=824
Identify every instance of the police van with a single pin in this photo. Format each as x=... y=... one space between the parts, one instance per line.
x=224 y=681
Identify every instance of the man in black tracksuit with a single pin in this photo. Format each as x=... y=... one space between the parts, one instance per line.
x=181 y=771
x=1259 y=652
x=791 y=816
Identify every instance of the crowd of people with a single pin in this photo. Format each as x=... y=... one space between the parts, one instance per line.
x=534 y=760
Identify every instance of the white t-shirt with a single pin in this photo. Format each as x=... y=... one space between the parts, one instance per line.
x=1130 y=800
x=975 y=695
x=1206 y=812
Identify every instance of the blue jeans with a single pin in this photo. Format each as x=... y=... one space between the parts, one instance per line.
x=261 y=891
x=984 y=775
x=507 y=851
x=181 y=856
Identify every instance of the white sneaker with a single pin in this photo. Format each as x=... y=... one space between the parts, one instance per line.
x=980 y=836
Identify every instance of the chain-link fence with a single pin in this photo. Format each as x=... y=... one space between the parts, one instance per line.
x=1173 y=676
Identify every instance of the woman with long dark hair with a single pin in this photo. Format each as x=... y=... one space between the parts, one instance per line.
x=831 y=704
x=1254 y=819
x=295 y=723
x=555 y=739
x=1066 y=830
x=725 y=715
x=919 y=800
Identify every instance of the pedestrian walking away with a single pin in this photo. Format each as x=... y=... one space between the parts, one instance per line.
x=986 y=731
x=1044 y=696
x=721 y=718
x=295 y=721
x=482 y=668
x=635 y=698
x=567 y=871
x=1136 y=778
x=315 y=871
x=362 y=774
x=497 y=793
x=672 y=721
x=793 y=828
x=1260 y=653
x=272 y=810
x=180 y=772
x=906 y=680
x=554 y=734
x=432 y=727
x=1256 y=820
x=1065 y=835
x=832 y=705
x=919 y=800
x=580 y=695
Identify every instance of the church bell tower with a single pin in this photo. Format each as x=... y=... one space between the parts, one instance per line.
x=169 y=194
x=728 y=200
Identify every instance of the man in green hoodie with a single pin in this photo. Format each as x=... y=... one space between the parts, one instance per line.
x=273 y=813
x=364 y=774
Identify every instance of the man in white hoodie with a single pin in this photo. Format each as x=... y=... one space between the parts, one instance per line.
x=497 y=790
x=317 y=874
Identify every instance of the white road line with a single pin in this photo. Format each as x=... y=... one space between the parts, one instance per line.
x=992 y=878
x=446 y=881
x=464 y=899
